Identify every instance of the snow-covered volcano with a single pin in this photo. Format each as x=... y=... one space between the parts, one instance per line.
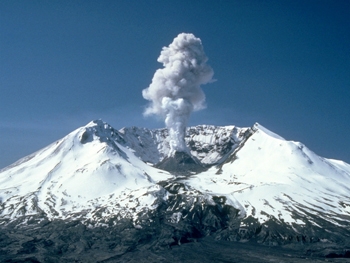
x=249 y=183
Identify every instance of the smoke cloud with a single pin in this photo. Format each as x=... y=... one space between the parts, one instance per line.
x=175 y=89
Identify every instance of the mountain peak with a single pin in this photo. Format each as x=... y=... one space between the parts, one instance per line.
x=98 y=129
x=258 y=126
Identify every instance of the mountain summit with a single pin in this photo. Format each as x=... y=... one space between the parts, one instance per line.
x=237 y=184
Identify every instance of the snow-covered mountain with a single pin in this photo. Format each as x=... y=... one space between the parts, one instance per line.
x=235 y=184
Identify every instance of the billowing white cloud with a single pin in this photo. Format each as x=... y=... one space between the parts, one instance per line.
x=175 y=89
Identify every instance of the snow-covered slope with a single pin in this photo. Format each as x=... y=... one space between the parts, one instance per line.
x=274 y=178
x=255 y=184
x=81 y=173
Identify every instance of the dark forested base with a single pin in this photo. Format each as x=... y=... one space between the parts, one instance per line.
x=62 y=241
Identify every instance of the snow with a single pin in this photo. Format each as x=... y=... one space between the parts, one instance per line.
x=96 y=167
x=270 y=175
x=268 y=132
x=68 y=175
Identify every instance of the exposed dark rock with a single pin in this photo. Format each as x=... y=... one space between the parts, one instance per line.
x=181 y=163
x=61 y=241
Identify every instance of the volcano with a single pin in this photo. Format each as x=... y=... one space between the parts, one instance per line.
x=101 y=195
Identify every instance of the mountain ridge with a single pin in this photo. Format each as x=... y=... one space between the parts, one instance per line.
x=252 y=185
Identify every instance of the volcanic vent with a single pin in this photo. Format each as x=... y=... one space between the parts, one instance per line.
x=181 y=163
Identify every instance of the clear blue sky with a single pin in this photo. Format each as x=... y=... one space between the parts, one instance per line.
x=284 y=64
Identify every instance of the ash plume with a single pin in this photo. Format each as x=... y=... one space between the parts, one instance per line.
x=175 y=89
